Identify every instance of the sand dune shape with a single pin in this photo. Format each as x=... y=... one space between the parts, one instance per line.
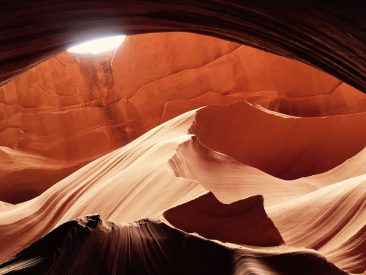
x=72 y=109
x=124 y=185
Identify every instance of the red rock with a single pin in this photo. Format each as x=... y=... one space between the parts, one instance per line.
x=167 y=168
x=242 y=222
x=75 y=109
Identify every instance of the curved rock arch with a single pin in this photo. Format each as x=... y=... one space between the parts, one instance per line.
x=329 y=35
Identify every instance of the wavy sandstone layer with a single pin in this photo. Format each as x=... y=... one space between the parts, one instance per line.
x=159 y=171
x=102 y=170
x=151 y=247
x=75 y=109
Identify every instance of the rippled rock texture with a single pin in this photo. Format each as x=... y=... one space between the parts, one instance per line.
x=150 y=247
x=70 y=110
x=198 y=155
x=166 y=174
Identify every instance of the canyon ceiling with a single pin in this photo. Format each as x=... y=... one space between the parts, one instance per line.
x=328 y=35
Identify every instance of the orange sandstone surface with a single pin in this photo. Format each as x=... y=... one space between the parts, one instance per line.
x=152 y=174
x=70 y=110
x=272 y=177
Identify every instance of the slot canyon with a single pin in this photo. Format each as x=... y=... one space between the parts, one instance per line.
x=216 y=138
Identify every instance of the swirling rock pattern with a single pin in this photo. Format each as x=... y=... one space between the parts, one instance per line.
x=156 y=176
x=150 y=247
x=71 y=110
x=269 y=181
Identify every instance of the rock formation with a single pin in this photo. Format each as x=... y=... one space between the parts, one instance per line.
x=75 y=247
x=184 y=154
x=158 y=171
x=329 y=35
x=71 y=110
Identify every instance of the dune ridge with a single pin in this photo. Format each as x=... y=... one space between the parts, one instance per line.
x=157 y=173
x=75 y=109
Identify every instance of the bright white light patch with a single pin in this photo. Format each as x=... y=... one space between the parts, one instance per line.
x=99 y=45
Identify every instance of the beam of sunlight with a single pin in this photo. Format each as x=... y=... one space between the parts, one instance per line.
x=98 y=45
